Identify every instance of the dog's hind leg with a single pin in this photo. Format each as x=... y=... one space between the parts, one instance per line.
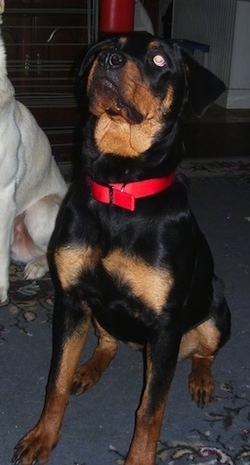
x=202 y=344
x=25 y=250
x=200 y=381
x=36 y=268
x=32 y=233
x=90 y=372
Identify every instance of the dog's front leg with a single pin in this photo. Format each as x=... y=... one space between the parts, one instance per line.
x=161 y=357
x=70 y=328
x=7 y=214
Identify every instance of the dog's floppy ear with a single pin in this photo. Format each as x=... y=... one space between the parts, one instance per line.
x=203 y=86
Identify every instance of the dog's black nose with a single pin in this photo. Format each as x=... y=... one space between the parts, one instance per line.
x=111 y=59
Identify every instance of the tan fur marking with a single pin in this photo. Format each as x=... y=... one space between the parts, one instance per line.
x=90 y=372
x=202 y=340
x=48 y=429
x=149 y=284
x=155 y=44
x=136 y=91
x=91 y=74
x=169 y=99
x=71 y=353
x=117 y=136
x=201 y=384
x=71 y=261
x=147 y=427
x=114 y=133
x=122 y=40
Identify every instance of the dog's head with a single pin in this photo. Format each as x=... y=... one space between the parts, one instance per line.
x=137 y=87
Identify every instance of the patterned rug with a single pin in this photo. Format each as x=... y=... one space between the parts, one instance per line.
x=223 y=437
x=28 y=300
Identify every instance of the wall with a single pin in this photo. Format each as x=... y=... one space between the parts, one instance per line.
x=224 y=26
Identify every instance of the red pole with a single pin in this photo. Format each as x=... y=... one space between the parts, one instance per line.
x=117 y=16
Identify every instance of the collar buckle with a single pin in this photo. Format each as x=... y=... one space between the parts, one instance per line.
x=120 y=198
x=111 y=194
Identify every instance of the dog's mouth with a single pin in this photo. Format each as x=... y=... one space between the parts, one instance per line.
x=105 y=97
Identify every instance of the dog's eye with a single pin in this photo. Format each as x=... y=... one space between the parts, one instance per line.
x=159 y=60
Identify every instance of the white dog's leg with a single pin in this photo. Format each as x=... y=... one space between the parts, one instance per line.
x=7 y=214
x=25 y=250
x=36 y=268
x=33 y=230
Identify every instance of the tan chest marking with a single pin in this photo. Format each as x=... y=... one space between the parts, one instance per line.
x=72 y=261
x=151 y=285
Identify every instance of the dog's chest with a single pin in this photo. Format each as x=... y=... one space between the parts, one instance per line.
x=132 y=294
x=122 y=289
x=150 y=285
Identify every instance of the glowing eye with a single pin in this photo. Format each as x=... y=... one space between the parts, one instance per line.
x=159 y=60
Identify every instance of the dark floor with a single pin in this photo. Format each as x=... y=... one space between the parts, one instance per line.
x=218 y=134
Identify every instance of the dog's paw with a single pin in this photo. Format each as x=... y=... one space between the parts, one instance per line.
x=84 y=379
x=34 y=448
x=201 y=388
x=4 y=300
x=36 y=268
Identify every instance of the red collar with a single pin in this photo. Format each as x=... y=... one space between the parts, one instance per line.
x=125 y=195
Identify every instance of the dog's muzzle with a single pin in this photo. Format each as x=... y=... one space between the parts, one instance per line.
x=111 y=59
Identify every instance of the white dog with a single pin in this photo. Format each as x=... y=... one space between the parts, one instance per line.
x=31 y=186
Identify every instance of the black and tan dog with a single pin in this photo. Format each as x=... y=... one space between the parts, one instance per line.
x=127 y=253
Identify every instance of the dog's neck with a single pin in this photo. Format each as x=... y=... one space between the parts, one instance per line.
x=160 y=159
x=126 y=195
